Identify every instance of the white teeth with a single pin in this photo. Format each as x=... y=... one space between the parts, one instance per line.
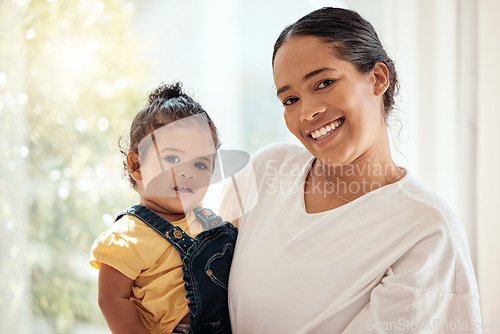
x=181 y=188
x=326 y=129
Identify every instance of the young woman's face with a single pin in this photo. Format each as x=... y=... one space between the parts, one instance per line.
x=177 y=166
x=332 y=108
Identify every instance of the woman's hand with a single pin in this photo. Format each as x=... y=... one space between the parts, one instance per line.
x=120 y=313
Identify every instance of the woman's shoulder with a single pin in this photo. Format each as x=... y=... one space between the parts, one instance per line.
x=440 y=233
x=426 y=200
x=432 y=213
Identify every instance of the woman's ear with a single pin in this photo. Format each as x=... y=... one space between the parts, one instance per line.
x=381 y=78
x=134 y=167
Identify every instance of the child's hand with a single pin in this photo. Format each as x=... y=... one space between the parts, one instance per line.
x=120 y=313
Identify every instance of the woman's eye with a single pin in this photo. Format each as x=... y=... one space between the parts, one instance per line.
x=200 y=165
x=290 y=101
x=172 y=158
x=324 y=84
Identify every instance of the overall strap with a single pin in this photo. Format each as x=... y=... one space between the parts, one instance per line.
x=207 y=218
x=173 y=234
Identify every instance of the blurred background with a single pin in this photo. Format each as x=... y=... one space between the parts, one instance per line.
x=74 y=73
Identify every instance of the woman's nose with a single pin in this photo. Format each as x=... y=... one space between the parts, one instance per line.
x=311 y=109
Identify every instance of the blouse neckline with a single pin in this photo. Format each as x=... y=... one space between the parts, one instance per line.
x=302 y=181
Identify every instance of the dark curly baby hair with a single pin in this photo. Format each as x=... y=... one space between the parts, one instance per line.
x=166 y=104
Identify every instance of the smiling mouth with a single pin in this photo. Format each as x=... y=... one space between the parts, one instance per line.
x=182 y=189
x=327 y=129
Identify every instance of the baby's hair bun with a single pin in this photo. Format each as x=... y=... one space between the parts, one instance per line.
x=166 y=92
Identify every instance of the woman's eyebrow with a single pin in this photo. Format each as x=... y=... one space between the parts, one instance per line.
x=282 y=90
x=306 y=77
x=316 y=72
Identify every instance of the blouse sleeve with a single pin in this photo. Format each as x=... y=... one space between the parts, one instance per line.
x=430 y=289
x=127 y=247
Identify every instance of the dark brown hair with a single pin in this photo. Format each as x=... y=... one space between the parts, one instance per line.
x=352 y=38
x=166 y=104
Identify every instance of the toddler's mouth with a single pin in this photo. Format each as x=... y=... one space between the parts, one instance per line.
x=182 y=189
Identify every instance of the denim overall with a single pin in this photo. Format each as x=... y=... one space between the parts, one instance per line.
x=206 y=261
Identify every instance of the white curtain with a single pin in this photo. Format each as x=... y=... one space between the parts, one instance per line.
x=15 y=288
x=488 y=159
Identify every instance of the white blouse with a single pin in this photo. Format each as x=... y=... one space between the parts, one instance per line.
x=394 y=260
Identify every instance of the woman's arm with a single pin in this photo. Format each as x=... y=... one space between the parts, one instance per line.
x=120 y=313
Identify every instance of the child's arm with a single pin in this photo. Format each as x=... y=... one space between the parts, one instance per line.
x=120 y=313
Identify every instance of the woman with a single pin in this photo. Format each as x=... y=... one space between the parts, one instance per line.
x=342 y=240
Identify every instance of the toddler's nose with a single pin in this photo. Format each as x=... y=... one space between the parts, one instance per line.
x=184 y=171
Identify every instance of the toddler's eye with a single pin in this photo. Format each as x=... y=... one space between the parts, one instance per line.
x=290 y=101
x=172 y=158
x=324 y=83
x=200 y=165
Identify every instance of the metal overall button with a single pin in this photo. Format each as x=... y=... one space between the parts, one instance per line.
x=177 y=234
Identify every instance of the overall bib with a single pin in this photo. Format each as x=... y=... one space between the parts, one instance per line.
x=206 y=262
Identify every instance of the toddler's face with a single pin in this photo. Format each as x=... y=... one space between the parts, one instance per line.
x=177 y=164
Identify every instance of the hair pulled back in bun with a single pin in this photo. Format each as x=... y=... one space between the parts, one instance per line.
x=166 y=92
